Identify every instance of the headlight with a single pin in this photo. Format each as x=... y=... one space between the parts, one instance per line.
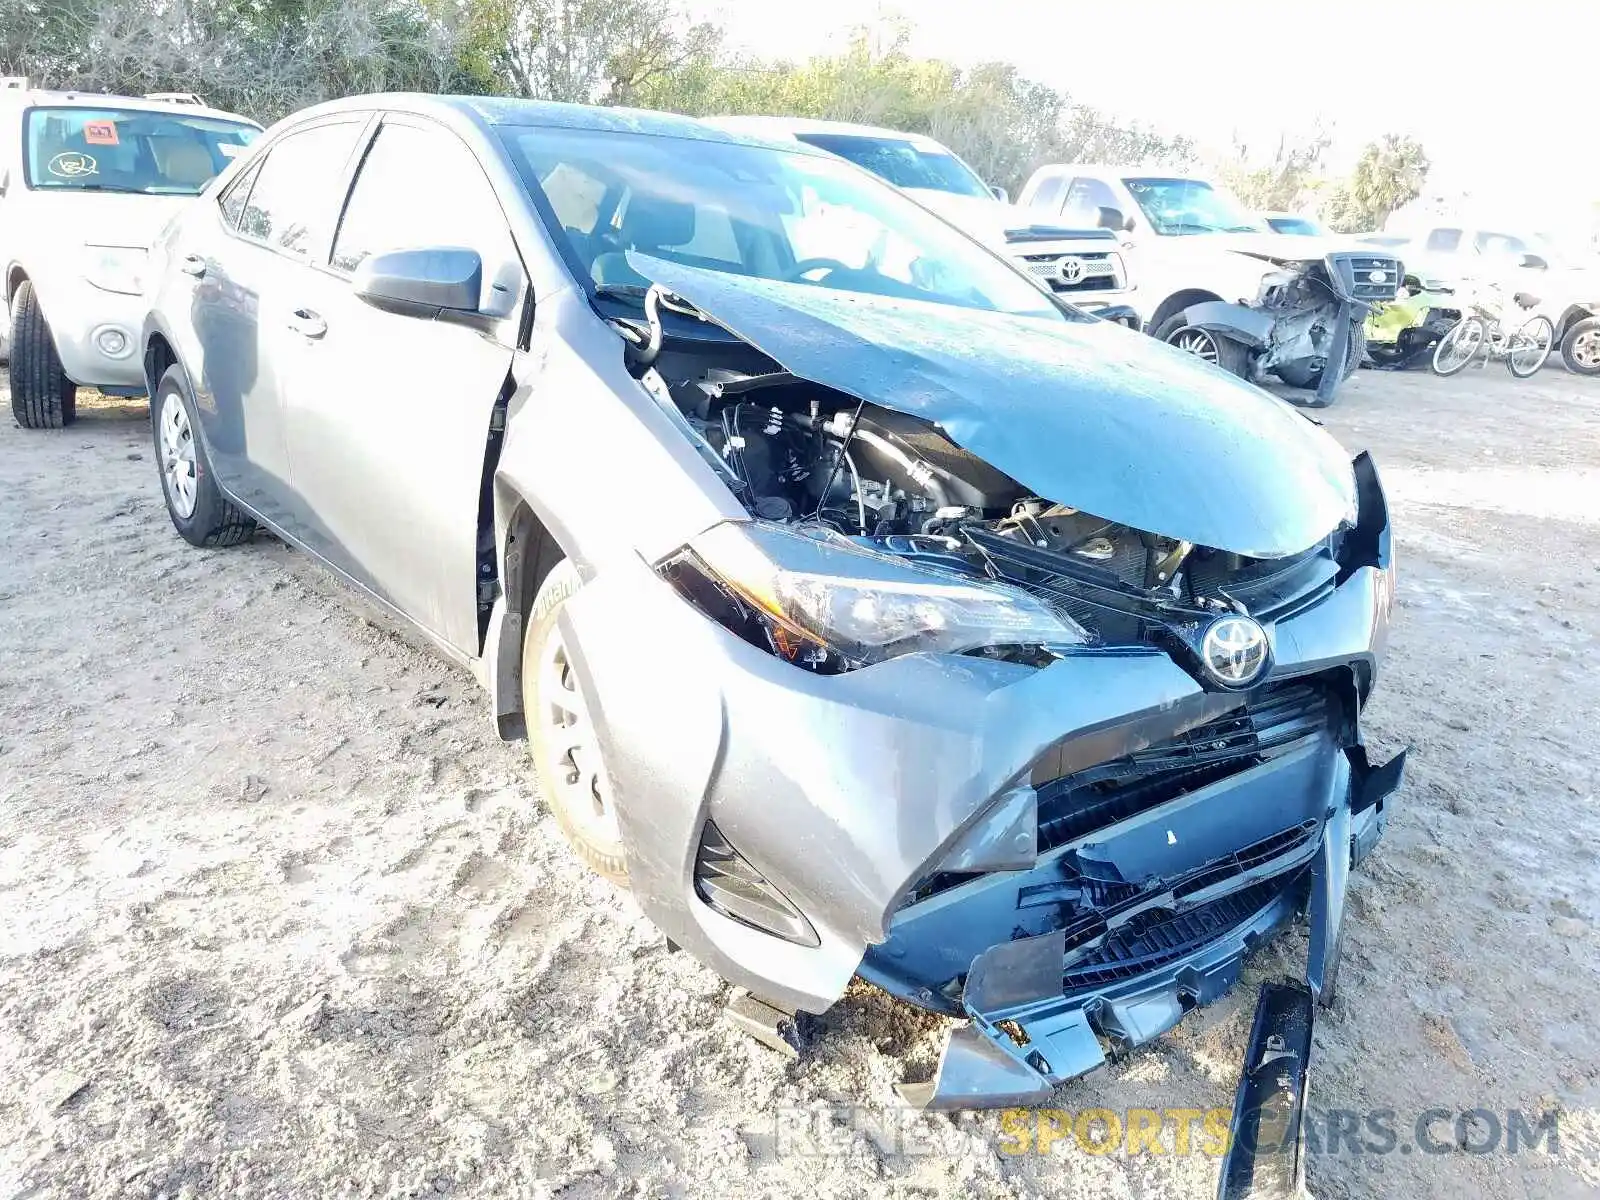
x=823 y=602
x=117 y=269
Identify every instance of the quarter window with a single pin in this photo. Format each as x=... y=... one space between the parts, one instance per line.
x=292 y=205
x=238 y=192
x=419 y=188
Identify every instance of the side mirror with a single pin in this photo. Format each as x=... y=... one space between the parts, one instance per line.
x=999 y=193
x=1112 y=218
x=5 y=180
x=1119 y=314
x=421 y=283
x=1535 y=262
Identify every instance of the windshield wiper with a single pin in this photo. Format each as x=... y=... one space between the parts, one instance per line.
x=109 y=187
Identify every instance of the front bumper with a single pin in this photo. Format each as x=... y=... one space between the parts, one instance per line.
x=86 y=322
x=847 y=793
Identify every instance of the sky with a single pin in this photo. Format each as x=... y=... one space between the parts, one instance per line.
x=1484 y=94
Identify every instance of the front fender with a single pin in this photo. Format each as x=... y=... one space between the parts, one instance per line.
x=1233 y=321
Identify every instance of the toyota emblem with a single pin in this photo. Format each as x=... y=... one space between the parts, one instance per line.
x=1070 y=269
x=1234 y=651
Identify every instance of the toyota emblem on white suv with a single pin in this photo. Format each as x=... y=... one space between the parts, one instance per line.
x=1070 y=269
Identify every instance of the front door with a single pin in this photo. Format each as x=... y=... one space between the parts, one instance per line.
x=389 y=416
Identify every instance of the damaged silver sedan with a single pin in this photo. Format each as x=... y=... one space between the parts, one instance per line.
x=866 y=610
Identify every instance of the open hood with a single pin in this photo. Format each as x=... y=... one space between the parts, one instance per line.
x=1081 y=412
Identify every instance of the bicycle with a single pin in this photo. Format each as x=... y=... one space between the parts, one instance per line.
x=1483 y=329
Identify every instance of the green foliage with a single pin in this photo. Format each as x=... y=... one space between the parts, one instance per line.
x=266 y=58
x=1285 y=182
x=1389 y=174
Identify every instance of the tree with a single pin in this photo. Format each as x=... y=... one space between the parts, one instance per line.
x=1390 y=173
x=1284 y=182
x=586 y=51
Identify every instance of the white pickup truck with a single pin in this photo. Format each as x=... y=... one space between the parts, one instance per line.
x=1082 y=265
x=1213 y=279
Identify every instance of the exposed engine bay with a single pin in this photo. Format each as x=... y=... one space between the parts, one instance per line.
x=802 y=455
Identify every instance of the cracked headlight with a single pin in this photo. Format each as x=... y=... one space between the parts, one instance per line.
x=118 y=269
x=821 y=601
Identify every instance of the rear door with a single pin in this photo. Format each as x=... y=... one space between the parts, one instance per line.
x=389 y=422
x=271 y=224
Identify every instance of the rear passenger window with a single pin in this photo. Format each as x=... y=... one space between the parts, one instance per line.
x=233 y=200
x=296 y=195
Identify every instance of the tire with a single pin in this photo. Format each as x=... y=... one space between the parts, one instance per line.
x=571 y=777
x=1580 y=349
x=200 y=513
x=1307 y=372
x=1449 y=357
x=1526 y=362
x=42 y=397
x=1203 y=344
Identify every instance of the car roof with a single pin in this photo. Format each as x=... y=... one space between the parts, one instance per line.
x=1122 y=170
x=793 y=127
x=509 y=112
x=38 y=98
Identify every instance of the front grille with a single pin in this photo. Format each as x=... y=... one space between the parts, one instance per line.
x=1275 y=718
x=1100 y=272
x=1356 y=271
x=1156 y=937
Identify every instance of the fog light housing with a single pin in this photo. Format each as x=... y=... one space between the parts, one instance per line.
x=729 y=884
x=112 y=342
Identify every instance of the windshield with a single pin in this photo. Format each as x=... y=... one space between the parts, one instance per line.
x=1184 y=206
x=751 y=210
x=1298 y=226
x=129 y=150
x=902 y=163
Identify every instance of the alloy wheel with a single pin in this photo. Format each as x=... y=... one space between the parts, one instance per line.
x=574 y=745
x=1197 y=342
x=177 y=455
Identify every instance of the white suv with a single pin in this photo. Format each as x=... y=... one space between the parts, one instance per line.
x=1081 y=265
x=86 y=182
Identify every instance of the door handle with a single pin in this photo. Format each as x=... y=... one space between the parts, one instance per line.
x=192 y=264
x=307 y=324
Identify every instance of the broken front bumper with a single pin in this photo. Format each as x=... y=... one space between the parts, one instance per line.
x=933 y=820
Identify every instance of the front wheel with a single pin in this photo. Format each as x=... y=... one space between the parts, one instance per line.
x=568 y=759
x=1205 y=345
x=200 y=513
x=1580 y=349
x=42 y=397
x=1530 y=347
x=1458 y=347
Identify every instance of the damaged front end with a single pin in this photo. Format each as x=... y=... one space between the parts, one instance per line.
x=1047 y=737
x=1305 y=324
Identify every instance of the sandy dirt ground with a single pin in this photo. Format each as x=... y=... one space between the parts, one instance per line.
x=279 y=916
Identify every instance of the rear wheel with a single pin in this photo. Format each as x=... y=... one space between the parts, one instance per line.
x=1206 y=345
x=42 y=397
x=200 y=513
x=1530 y=347
x=1580 y=349
x=562 y=736
x=1458 y=347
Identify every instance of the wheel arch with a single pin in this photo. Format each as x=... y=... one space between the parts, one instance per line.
x=1176 y=303
x=528 y=546
x=1571 y=315
x=159 y=355
x=15 y=274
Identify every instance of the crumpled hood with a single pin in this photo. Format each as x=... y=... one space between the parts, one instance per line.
x=1085 y=414
x=1284 y=246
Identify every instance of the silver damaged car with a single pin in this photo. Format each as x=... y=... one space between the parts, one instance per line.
x=866 y=610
